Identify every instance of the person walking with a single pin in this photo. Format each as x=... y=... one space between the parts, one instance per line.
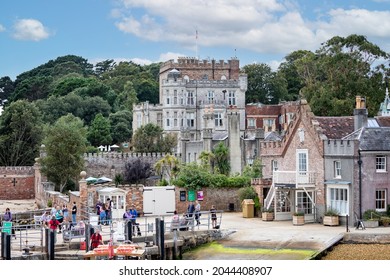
x=175 y=221
x=197 y=212
x=53 y=224
x=74 y=213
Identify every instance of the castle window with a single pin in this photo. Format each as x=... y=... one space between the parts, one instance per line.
x=218 y=119
x=252 y=123
x=232 y=98
x=380 y=200
x=190 y=119
x=175 y=97
x=190 y=98
x=337 y=169
x=210 y=96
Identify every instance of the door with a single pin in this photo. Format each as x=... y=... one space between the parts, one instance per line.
x=159 y=200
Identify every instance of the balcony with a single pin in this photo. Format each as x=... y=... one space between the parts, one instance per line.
x=293 y=179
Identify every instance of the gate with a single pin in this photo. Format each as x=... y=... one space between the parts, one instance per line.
x=159 y=200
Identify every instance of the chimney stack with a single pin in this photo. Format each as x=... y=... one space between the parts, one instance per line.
x=360 y=113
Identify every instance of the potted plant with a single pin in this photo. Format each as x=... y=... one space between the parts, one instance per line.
x=331 y=217
x=268 y=214
x=385 y=221
x=298 y=218
x=371 y=218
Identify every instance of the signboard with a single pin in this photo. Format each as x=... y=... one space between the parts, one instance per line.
x=7 y=227
x=285 y=186
x=182 y=195
x=191 y=195
x=199 y=195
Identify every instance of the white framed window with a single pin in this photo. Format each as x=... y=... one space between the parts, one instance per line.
x=175 y=119
x=175 y=97
x=139 y=120
x=218 y=119
x=304 y=202
x=190 y=98
x=337 y=169
x=337 y=199
x=210 y=96
x=159 y=119
x=302 y=162
x=380 y=163
x=252 y=122
x=268 y=123
x=380 y=200
x=168 y=120
x=274 y=166
x=232 y=97
x=190 y=119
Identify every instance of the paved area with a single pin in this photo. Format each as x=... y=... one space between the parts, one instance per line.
x=255 y=233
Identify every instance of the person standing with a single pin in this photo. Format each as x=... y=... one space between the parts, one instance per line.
x=74 y=213
x=175 y=221
x=213 y=212
x=133 y=219
x=65 y=212
x=8 y=218
x=190 y=209
x=59 y=217
x=197 y=212
x=53 y=224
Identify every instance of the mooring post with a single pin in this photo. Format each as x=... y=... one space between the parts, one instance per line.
x=3 y=241
x=52 y=241
x=129 y=231
x=8 y=247
x=162 y=240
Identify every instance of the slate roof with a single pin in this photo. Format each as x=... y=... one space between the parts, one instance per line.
x=372 y=138
x=336 y=127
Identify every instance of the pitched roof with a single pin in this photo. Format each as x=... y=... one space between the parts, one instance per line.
x=383 y=121
x=336 y=127
x=372 y=138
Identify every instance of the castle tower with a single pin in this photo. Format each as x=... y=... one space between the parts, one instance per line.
x=235 y=150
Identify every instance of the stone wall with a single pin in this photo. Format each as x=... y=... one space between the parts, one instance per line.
x=220 y=197
x=17 y=182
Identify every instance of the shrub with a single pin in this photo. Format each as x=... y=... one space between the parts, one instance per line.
x=299 y=213
x=332 y=212
x=371 y=214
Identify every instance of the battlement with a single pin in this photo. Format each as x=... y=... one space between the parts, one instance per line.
x=125 y=156
x=18 y=170
x=193 y=62
x=339 y=147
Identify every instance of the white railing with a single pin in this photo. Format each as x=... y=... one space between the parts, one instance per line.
x=294 y=177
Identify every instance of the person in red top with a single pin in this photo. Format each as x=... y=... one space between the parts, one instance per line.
x=53 y=223
x=96 y=239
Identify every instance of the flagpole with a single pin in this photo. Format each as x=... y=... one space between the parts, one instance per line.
x=196 y=44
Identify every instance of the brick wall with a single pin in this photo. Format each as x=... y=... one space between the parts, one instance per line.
x=17 y=183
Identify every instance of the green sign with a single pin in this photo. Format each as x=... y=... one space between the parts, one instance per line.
x=7 y=227
x=191 y=195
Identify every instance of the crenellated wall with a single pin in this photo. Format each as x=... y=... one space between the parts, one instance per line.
x=17 y=182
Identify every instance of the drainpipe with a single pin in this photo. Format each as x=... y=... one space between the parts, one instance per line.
x=360 y=184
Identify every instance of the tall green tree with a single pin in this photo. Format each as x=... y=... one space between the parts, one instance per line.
x=264 y=85
x=339 y=71
x=149 y=138
x=65 y=144
x=20 y=134
x=121 y=126
x=99 y=132
x=221 y=156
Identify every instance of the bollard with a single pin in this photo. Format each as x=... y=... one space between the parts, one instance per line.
x=3 y=245
x=51 y=244
x=88 y=233
x=8 y=247
x=157 y=237
x=162 y=241
x=346 y=225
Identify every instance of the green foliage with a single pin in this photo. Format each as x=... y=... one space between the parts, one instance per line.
x=149 y=138
x=163 y=182
x=193 y=177
x=299 y=213
x=118 y=179
x=167 y=167
x=99 y=131
x=221 y=156
x=20 y=134
x=65 y=144
x=254 y=171
x=331 y=212
x=49 y=203
x=249 y=192
x=371 y=214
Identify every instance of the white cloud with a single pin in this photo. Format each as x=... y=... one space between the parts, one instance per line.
x=30 y=30
x=2 y=28
x=268 y=26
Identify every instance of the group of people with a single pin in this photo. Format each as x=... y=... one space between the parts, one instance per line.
x=59 y=217
x=193 y=210
x=104 y=211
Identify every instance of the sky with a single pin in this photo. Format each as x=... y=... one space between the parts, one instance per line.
x=32 y=32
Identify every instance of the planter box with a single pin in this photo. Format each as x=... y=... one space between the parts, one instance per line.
x=331 y=220
x=371 y=223
x=267 y=216
x=298 y=220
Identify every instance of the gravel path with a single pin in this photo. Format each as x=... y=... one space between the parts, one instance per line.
x=359 y=252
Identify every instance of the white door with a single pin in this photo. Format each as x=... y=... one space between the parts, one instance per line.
x=159 y=200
